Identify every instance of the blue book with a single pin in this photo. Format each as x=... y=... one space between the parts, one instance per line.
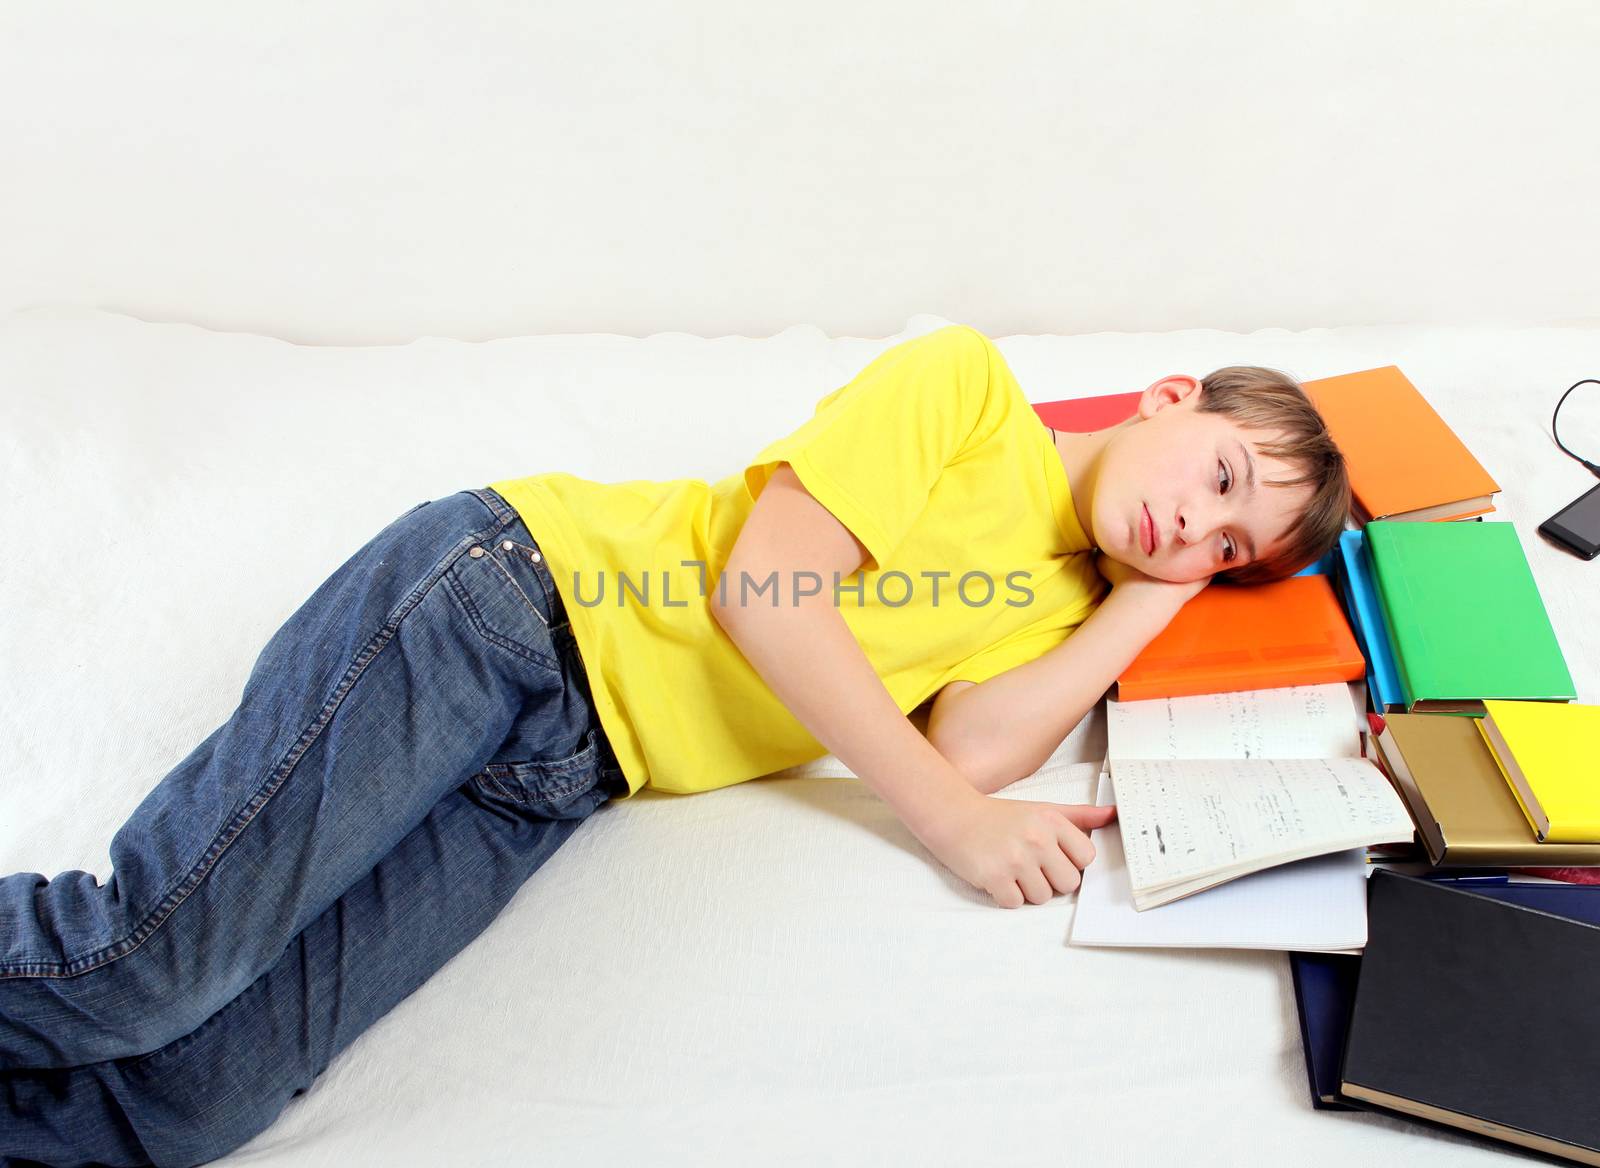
x=1324 y=992
x=1366 y=614
x=1322 y=567
x=1348 y=601
x=1325 y=983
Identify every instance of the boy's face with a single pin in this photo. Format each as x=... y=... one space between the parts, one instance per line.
x=1173 y=496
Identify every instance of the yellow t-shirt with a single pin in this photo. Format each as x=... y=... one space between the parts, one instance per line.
x=931 y=456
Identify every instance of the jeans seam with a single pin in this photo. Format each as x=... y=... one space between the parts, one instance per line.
x=575 y=768
x=506 y=572
x=541 y=568
x=279 y=774
x=486 y=780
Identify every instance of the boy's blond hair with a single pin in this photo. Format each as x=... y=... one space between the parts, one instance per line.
x=1269 y=400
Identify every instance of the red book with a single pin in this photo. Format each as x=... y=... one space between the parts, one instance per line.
x=1570 y=875
x=1081 y=415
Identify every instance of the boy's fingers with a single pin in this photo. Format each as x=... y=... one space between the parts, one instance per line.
x=1008 y=895
x=1077 y=847
x=1062 y=873
x=1086 y=816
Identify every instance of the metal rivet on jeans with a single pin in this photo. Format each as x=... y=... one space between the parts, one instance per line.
x=475 y=553
x=535 y=557
x=506 y=545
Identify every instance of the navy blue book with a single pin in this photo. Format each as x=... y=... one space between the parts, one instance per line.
x=1325 y=983
x=1324 y=991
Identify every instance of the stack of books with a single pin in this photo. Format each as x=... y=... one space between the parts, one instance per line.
x=1379 y=767
x=1468 y=1010
x=1449 y=614
x=1517 y=788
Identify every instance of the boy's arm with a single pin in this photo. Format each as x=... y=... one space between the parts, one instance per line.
x=1005 y=728
x=811 y=660
x=1015 y=850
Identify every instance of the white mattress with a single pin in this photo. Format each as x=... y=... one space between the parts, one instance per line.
x=774 y=972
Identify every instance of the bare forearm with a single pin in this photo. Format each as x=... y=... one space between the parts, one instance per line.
x=808 y=656
x=1006 y=727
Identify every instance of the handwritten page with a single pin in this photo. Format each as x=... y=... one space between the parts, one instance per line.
x=1184 y=820
x=1302 y=721
x=1313 y=905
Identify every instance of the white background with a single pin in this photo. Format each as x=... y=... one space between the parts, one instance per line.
x=366 y=173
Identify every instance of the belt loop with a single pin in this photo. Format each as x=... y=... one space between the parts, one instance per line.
x=496 y=503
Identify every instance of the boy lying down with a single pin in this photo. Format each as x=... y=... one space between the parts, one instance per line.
x=485 y=673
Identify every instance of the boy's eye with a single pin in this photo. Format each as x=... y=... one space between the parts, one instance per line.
x=1224 y=477
x=1229 y=550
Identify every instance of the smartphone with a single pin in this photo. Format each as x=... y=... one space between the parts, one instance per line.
x=1576 y=526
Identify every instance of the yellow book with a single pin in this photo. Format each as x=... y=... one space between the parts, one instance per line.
x=1549 y=753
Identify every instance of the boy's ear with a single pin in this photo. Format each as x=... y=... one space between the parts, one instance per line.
x=1169 y=391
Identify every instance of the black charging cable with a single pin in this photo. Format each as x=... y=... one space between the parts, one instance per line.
x=1594 y=469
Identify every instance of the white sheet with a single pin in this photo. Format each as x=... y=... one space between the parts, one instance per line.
x=775 y=972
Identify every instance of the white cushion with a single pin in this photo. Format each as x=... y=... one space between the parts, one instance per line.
x=775 y=972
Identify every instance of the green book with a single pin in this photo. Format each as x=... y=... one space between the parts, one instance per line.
x=1465 y=616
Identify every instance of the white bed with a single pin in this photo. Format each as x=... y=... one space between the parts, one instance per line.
x=775 y=972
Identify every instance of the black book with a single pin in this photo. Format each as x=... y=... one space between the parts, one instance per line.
x=1478 y=1014
x=1325 y=983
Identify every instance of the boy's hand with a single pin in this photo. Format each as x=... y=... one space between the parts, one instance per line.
x=1121 y=575
x=1017 y=850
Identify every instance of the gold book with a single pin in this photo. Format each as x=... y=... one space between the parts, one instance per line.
x=1464 y=810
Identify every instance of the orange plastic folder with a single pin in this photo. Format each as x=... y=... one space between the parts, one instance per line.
x=1290 y=632
x=1405 y=462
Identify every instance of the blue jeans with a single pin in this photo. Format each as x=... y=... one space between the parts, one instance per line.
x=410 y=746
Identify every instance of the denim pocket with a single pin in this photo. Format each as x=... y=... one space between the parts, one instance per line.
x=525 y=570
x=558 y=789
x=505 y=597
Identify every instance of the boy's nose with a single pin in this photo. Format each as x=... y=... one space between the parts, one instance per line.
x=1194 y=525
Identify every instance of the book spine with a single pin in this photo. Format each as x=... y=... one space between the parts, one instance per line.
x=1528 y=855
x=1499 y=765
x=1189 y=685
x=1384 y=684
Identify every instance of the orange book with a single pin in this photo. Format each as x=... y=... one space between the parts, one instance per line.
x=1405 y=462
x=1289 y=632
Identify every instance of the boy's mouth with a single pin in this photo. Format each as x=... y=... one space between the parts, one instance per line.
x=1147 y=531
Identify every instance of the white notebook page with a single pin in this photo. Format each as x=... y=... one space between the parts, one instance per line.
x=1302 y=721
x=1186 y=818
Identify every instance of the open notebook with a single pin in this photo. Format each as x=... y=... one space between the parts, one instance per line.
x=1216 y=786
x=1317 y=905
